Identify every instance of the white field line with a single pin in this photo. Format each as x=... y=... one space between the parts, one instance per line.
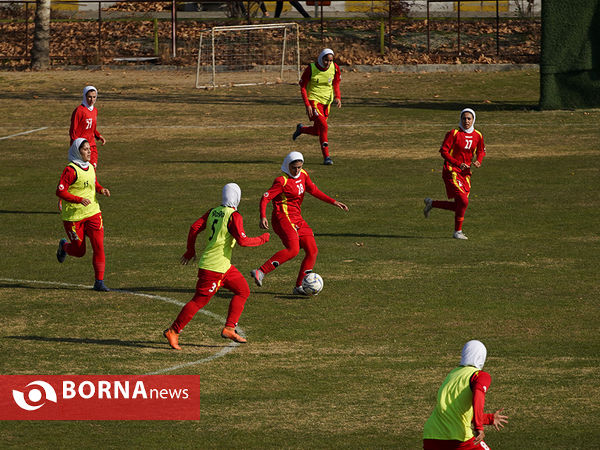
x=24 y=132
x=232 y=345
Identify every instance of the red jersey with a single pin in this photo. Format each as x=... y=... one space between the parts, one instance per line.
x=235 y=228
x=83 y=125
x=68 y=177
x=305 y=79
x=460 y=147
x=287 y=194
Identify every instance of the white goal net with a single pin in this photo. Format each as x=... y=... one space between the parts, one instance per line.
x=244 y=55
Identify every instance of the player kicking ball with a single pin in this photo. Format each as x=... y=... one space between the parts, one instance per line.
x=225 y=227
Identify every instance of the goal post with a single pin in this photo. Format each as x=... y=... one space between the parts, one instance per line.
x=245 y=55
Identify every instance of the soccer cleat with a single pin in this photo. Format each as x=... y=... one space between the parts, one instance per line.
x=100 y=286
x=428 y=207
x=172 y=337
x=258 y=276
x=459 y=235
x=299 y=290
x=298 y=132
x=229 y=333
x=327 y=161
x=60 y=253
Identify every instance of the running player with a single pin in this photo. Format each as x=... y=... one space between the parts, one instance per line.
x=225 y=228
x=81 y=214
x=460 y=403
x=458 y=149
x=287 y=193
x=83 y=122
x=320 y=86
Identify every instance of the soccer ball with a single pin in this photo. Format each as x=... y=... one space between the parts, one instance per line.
x=312 y=283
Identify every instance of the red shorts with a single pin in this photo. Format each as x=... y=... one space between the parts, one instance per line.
x=457 y=185
x=437 y=444
x=76 y=231
x=290 y=228
x=322 y=109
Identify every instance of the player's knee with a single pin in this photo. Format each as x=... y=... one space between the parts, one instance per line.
x=76 y=250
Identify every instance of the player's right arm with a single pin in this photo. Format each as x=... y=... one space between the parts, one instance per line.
x=68 y=177
x=198 y=226
x=74 y=130
x=304 y=80
x=447 y=146
x=274 y=191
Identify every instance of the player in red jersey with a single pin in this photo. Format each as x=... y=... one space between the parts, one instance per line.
x=458 y=149
x=83 y=122
x=225 y=229
x=81 y=214
x=458 y=418
x=320 y=86
x=287 y=193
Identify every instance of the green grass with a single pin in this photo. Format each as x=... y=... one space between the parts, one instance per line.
x=359 y=365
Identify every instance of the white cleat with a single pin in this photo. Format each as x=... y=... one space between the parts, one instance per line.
x=428 y=207
x=258 y=276
x=299 y=290
x=459 y=235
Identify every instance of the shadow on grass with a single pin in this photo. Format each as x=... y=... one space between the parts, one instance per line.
x=369 y=235
x=229 y=99
x=7 y=211
x=116 y=342
x=217 y=162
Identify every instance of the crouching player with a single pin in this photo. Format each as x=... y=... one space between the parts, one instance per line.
x=225 y=228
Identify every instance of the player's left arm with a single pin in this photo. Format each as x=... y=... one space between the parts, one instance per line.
x=102 y=190
x=97 y=134
x=313 y=190
x=235 y=226
x=337 y=96
x=480 y=152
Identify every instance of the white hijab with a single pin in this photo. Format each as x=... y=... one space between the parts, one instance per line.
x=323 y=54
x=231 y=195
x=75 y=156
x=470 y=130
x=473 y=354
x=85 y=91
x=290 y=158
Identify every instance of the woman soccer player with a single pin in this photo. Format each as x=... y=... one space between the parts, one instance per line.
x=459 y=408
x=81 y=214
x=83 y=122
x=458 y=149
x=225 y=228
x=320 y=86
x=287 y=193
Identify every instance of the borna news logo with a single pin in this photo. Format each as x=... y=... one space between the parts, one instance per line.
x=35 y=396
x=97 y=397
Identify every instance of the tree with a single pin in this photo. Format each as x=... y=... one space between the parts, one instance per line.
x=40 y=52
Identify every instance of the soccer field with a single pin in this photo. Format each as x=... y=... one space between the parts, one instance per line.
x=359 y=365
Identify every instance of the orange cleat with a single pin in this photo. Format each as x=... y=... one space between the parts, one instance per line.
x=229 y=333
x=172 y=337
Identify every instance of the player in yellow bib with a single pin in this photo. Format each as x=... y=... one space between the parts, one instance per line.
x=225 y=227
x=80 y=213
x=320 y=86
x=459 y=408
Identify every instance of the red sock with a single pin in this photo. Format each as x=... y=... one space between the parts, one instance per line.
x=309 y=245
x=236 y=306
x=280 y=257
x=451 y=206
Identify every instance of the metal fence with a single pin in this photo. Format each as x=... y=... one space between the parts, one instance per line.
x=168 y=33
